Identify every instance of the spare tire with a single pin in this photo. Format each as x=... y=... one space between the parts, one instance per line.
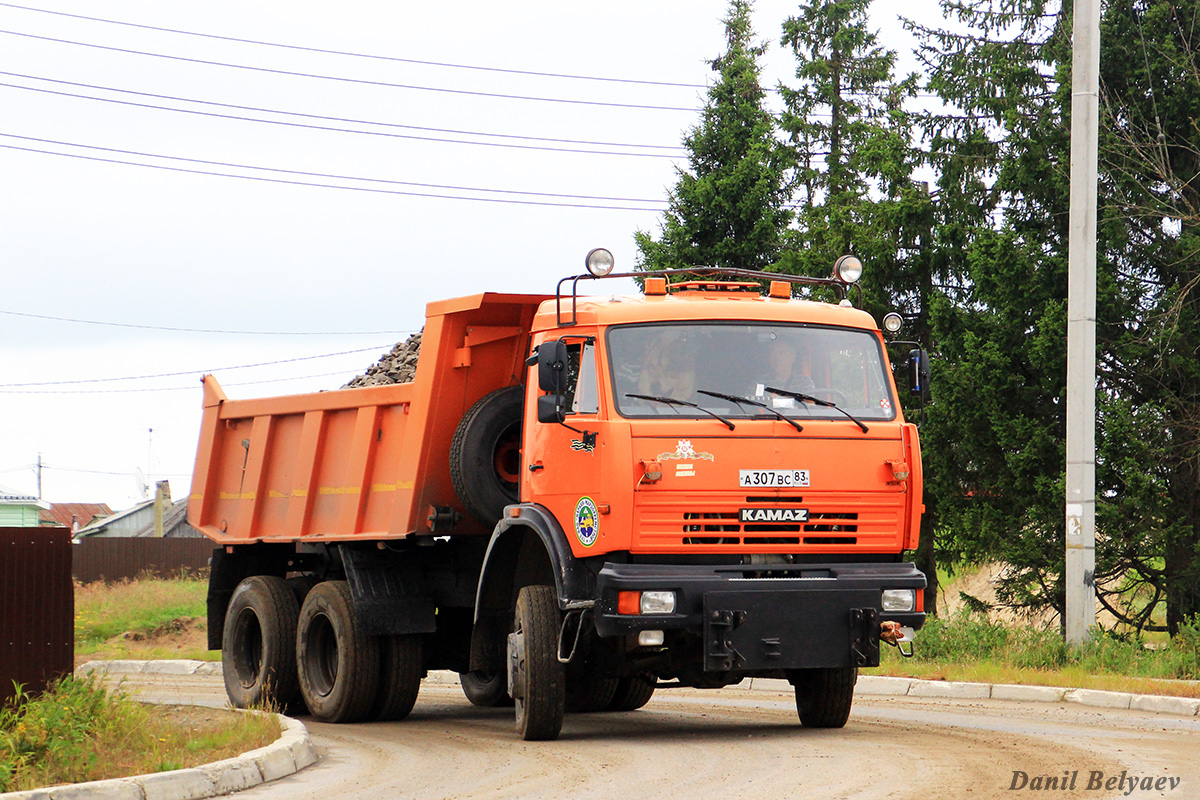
x=485 y=454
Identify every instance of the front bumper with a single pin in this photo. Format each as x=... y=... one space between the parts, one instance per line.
x=773 y=617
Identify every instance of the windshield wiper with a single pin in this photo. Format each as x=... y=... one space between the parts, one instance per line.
x=808 y=398
x=671 y=401
x=746 y=400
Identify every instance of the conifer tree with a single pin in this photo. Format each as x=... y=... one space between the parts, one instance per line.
x=728 y=207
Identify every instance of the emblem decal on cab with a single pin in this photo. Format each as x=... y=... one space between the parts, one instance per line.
x=685 y=451
x=587 y=521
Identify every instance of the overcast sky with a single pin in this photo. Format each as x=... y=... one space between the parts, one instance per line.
x=466 y=173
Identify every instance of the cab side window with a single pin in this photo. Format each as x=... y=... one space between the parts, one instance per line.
x=582 y=396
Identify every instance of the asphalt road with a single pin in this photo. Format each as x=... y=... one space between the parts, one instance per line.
x=737 y=743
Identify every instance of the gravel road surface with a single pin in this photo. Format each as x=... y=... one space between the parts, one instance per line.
x=746 y=744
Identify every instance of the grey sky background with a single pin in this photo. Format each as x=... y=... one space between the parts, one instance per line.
x=453 y=190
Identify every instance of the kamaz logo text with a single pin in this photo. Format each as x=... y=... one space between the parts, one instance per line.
x=773 y=515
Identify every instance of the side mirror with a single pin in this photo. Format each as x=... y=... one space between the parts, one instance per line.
x=550 y=408
x=552 y=368
x=918 y=372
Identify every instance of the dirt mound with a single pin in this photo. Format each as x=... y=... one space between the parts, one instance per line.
x=398 y=366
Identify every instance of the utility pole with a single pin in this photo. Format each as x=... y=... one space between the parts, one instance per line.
x=1081 y=325
x=39 y=476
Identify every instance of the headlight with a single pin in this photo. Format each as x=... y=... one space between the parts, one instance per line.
x=658 y=602
x=847 y=269
x=892 y=322
x=640 y=603
x=899 y=600
x=600 y=262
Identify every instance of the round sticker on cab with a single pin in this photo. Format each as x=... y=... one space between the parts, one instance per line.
x=587 y=521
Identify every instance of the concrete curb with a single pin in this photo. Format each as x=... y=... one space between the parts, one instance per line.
x=886 y=686
x=879 y=685
x=290 y=753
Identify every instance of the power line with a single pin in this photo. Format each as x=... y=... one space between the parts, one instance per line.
x=343 y=79
x=164 y=389
x=195 y=371
x=199 y=330
x=394 y=59
x=196 y=112
x=328 y=175
x=372 y=190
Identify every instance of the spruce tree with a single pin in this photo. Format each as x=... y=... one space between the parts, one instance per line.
x=728 y=208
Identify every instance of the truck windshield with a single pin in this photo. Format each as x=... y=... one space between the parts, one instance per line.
x=689 y=361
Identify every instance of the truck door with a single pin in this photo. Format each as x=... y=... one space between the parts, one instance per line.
x=563 y=461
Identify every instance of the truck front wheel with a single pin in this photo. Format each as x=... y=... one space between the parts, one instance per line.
x=536 y=679
x=824 y=696
x=633 y=693
x=258 y=644
x=486 y=689
x=338 y=665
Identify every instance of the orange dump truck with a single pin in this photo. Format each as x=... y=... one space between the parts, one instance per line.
x=576 y=501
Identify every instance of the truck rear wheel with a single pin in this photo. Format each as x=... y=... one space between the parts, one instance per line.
x=535 y=675
x=338 y=665
x=400 y=671
x=824 y=696
x=632 y=693
x=258 y=643
x=485 y=454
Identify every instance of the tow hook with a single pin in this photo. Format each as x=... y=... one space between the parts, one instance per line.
x=891 y=632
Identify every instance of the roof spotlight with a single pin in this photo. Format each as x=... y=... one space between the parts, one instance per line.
x=600 y=262
x=892 y=322
x=847 y=269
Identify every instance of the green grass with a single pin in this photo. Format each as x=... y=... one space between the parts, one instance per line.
x=77 y=731
x=140 y=612
x=971 y=647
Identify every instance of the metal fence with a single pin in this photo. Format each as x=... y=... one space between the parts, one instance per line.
x=37 y=608
x=103 y=558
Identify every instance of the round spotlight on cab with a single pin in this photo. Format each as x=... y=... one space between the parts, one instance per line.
x=600 y=262
x=847 y=269
x=892 y=322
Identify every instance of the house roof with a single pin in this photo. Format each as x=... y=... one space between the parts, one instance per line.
x=175 y=524
x=11 y=497
x=101 y=524
x=66 y=514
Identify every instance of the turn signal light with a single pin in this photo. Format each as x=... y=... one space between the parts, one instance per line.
x=645 y=603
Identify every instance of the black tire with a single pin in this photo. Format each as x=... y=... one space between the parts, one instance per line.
x=258 y=644
x=400 y=671
x=539 y=683
x=338 y=665
x=632 y=693
x=824 y=696
x=588 y=693
x=486 y=689
x=485 y=454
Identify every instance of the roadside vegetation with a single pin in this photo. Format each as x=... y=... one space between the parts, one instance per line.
x=148 y=618
x=78 y=731
x=968 y=646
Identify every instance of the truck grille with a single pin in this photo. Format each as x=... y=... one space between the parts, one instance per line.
x=662 y=523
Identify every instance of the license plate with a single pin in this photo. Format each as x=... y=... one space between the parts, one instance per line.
x=772 y=478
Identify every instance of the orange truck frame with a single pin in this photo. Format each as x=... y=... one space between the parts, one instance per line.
x=577 y=500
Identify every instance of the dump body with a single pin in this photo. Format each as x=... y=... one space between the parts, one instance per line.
x=360 y=464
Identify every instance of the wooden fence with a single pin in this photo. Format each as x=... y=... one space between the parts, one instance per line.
x=105 y=558
x=37 y=608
